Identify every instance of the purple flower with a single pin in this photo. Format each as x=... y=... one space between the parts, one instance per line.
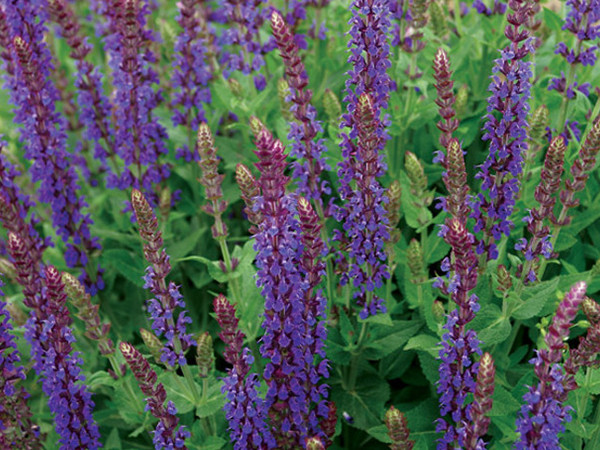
x=51 y=340
x=506 y=129
x=139 y=138
x=362 y=213
x=167 y=298
x=543 y=415
x=499 y=8
x=192 y=73
x=167 y=434
x=309 y=151
x=458 y=371
x=34 y=96
x=246 y=52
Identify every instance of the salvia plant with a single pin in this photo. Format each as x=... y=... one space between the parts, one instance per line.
x=269 y=224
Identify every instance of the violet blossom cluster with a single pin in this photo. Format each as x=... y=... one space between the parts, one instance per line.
x=246 y=51
x=362 y=212
x=191 y=75
x=289 y=332
x=543 y=415
x=94 y=108
x=306 y=148
x=16 y=428
x=167 y=297
x=581 y=21
x=43 y=133
x=506 y=129
x=139 y=138
x=458 y=371
x=497 y=7
x=51 y=338
x=244 y=409
x=167 y=435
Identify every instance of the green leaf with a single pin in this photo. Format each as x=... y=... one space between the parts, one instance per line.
x=380 y=432
x=504 y=404
x=424 y=342
x=491 y=326
x=125 y=263
x=565 y=241
x=178 y=391
x=366 y=402
x=534 y=299
x=113 y=442
x=386 y=340
x=214 y=401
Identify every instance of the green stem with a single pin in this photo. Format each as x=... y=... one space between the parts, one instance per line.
x=353 y=364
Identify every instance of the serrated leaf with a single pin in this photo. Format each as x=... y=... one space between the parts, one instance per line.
x=534 y=299
x=492 y=328
x=214 y=401
x=386 y=340
x=424 y=342
x=113 y=442
x=125 y=263
x=504 y=404
x=380 y=432
x=177 y=391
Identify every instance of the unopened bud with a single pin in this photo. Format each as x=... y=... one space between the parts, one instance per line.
x=416 y=174
x=504 y=280
x=18 y=316
x=75 y=291
x=398 y=430
x=153 y=344
x=235 y=87
x=438 y=20
x=462 y=95
x=439 y=312
x=314 y=443
x=204 y=355
x=164 y=204
x=414 y=257
x=591 y=309
x=7 y=269
x=332 y=106
x=539 y=122
x=256 y=126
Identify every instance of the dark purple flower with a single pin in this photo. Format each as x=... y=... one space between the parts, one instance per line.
x=43 y=132
x=305 y=147
x=51 y=338
x=499 y=8
x=139 y=138
x=192 y=73
x=244 y=409
x=506 y=129
x=167 y=298
x=543 y=414
x=167 y=435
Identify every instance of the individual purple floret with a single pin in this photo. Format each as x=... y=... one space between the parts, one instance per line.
x=458 y=371
x=246 y=53
x=543 y=415
x=506 y=129
x=362 y=212
x=51 y=338
x=162 y=307
x=191 y=75
x=43 y=134
x=309 y=151
x=139 y=138
x=244 y=409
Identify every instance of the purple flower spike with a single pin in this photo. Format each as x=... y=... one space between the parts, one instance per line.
x=140 y=138
x=458 y=371
x=167 y=298
x=15 y=416
x=34 y=96
x=506 y=129
x=244 y=409
x=303 y=133
x=543 y=414
x=192 y=73
x=167 y=435
x=52 y=340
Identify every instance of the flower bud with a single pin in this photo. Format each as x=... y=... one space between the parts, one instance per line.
x=314 y=443
x=332 y=106
x=439 y=312
x=153 y=344
x=398 y=430
x=235 y=87
x=283 y=92
x=414 y=257
x=504 y=280
x=416 y=174
x=460 y=104
x=18 y=316
x=438 y=20
x=256 y=126
x=538 y=123
x=591 y=309
x=164 y=203
x=204 y=355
